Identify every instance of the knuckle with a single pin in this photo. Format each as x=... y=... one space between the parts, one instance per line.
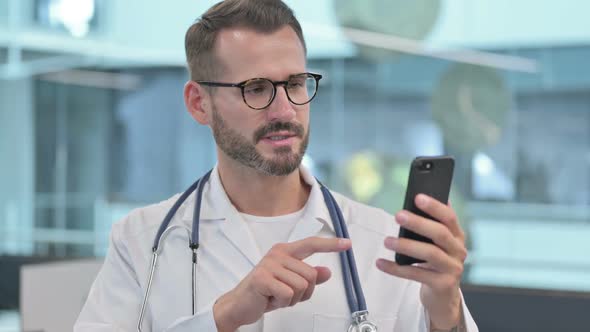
x=279 y=247
x=443 y=284
x=458 y=270
x=450 y=216
x=443 y=237
x=448 y=283
x=453 y=216
x=308 y=293
x=284 y=298
x=313 y=276
x=260 y=276
x=309 y=273
x=288 y=296
x=431 y=255
x=272 y=255
x=463 y=255
x=268 y=263
x=258 y=272
x=462 y=235
x=301 y=286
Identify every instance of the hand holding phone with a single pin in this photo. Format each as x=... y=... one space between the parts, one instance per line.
x=441 y=276
x=431 y=176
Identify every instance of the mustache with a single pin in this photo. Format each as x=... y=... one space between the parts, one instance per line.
x=294 y=128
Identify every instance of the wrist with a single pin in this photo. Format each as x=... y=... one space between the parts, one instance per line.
x=444 y=310
x=447 y=323
x=222 y=315
x=450 y=323
x=454 y=329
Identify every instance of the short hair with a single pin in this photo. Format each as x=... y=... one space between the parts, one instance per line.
x=265 y=16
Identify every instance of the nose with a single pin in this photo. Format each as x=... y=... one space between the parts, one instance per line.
x=281 y=109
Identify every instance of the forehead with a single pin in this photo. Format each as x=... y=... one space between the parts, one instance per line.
x=245 y=53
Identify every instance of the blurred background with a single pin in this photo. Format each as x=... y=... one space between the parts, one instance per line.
x=92 y=125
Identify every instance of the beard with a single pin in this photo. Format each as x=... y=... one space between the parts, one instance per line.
x=284 y=160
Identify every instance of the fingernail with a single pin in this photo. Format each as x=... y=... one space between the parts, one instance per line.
x=380 y=263
x=422 y=201
x=344 y=243
x=390 y=242
x=402 y=218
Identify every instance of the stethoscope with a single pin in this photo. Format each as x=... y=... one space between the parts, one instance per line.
x=354 y=292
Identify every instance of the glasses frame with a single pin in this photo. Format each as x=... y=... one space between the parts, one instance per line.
x=275 y=84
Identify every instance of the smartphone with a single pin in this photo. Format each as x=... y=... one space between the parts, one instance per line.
x=431 y=176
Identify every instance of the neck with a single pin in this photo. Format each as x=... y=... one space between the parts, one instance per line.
x=255 y=193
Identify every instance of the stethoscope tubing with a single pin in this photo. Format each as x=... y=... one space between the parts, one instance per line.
x=193 y=244
x=148 y=289
x=352 y=286
x=354 y=294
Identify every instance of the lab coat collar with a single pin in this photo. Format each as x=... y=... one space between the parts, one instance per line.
x=316 y=208
x=216 y=205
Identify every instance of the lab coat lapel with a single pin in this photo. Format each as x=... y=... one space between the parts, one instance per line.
x=237 y=232
x=216 y=205
x=315 y=217
x=305 y=228
x=234 y=227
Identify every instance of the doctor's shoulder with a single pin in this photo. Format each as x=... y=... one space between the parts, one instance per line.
x=366 y=216
x=144 y=221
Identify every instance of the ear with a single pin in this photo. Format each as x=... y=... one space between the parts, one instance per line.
x=197 y=102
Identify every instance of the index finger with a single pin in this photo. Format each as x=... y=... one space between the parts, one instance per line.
x=304 y=248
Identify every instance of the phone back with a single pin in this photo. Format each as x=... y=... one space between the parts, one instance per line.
x=431 y=176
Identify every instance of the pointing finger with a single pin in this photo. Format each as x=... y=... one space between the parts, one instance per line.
x=304 y=248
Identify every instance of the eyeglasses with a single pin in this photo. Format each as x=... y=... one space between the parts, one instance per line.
x=259 y=93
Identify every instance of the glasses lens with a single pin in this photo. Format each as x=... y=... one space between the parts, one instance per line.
x=258 y=93
x=302 y=88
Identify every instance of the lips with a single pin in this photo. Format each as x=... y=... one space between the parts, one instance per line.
x=279 y=132
x=280 y=135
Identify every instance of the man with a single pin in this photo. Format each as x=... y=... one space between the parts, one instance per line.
x=268 y=258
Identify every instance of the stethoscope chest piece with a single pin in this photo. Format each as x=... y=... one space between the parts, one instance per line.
x=360 y=323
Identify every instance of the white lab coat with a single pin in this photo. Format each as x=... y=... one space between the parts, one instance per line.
x=226 y=255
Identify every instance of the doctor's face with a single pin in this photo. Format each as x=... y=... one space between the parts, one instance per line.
x=272 y=140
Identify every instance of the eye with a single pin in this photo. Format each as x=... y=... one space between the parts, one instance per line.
x=296 y=82
x=256 y=88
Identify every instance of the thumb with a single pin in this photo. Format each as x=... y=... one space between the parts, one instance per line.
x=324 y=274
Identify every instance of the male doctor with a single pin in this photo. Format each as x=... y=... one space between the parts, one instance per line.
x=268 y=256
